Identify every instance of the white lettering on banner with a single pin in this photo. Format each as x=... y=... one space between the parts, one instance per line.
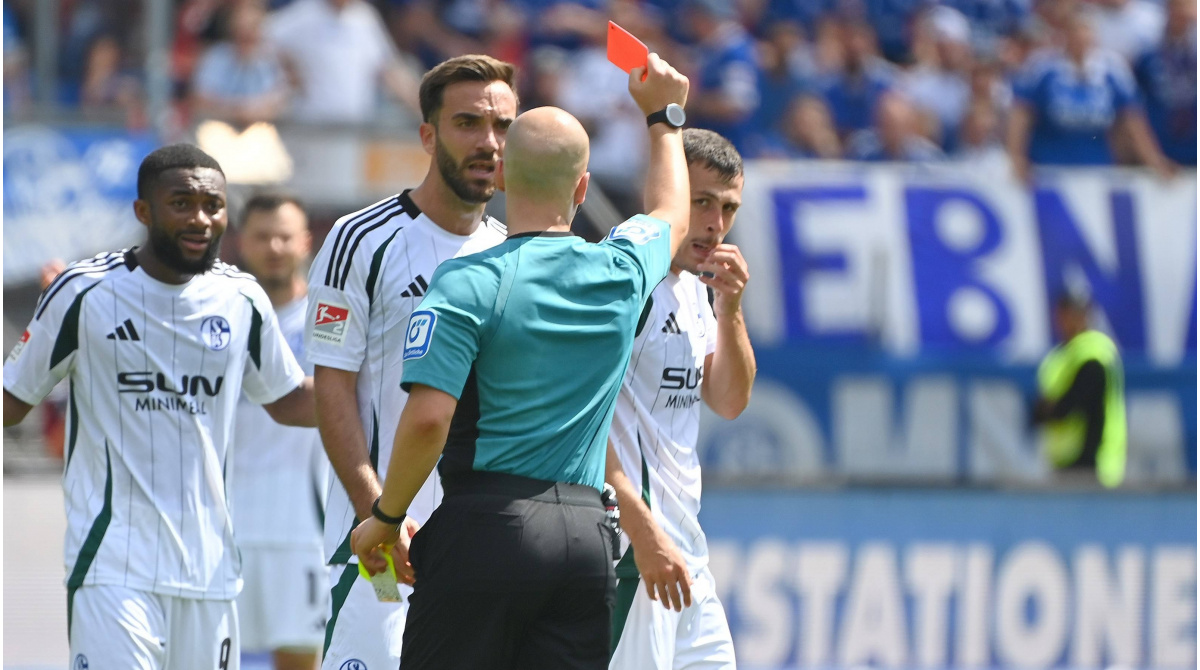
x=777 y=436
x=930 y=257
x=1043 y=612
x=768 y=638
x=1032 y=574
x=1174 y=608
x=1108 y=609
x=873 y=627
x=973 y=630
x=887 y=431
x=820 y=576
x=999 y=439
x=863 y=426
x=930 y=573
x=1156 y=430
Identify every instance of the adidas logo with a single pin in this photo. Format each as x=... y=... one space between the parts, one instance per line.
x=125 y=331
x=672 y=326
x=416 y=288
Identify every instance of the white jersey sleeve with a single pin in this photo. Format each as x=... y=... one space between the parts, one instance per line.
x=47 y=349
x=271 y=370
x=339 y=304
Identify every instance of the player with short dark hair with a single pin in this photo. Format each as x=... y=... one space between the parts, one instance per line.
x=158 y=343
x=475 y=67
x=280 y=473
x=370 y=274
x=172 y=157
x=686 y=352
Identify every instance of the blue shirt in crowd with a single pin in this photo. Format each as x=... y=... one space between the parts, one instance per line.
x=1074 y=108
x=1167 y=78
x=852 y=99
x=728 y=66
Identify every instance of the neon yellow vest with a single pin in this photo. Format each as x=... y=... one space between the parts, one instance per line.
x=1064 y=438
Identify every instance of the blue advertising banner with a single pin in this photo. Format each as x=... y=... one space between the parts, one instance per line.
x=956 y=578
x=68 y=194
x=822 y=413
x=899 y=312
x=937 y=258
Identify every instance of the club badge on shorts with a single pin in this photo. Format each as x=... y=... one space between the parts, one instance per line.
x=331 y=323
x=420 y=332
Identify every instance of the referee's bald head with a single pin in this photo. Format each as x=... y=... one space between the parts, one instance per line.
x=545 y=156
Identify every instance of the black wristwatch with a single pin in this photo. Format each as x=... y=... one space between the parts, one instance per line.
x=389 y=520
x=672 y=115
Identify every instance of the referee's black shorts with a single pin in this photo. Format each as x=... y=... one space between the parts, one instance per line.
x=512 y=573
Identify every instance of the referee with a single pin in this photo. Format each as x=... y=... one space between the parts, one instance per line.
x=513 y=364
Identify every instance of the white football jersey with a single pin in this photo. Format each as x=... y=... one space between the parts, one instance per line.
x=369 y=276
x=277 y=487
x=155 y=374
x=657 y=417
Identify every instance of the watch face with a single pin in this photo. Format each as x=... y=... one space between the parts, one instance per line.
x=675 y=115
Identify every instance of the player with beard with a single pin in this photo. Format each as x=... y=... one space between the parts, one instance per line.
x=370 y=274
x=158 y=342
x=280 y=473
x=686 y=352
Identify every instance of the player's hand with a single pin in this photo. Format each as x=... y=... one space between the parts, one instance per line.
x=368 y=541
x=663 y=571
x=664 y=85
x=730 y=275
x=404 y=568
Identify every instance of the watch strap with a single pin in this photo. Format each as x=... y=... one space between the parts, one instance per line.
x=659 y=117
x=379 y=514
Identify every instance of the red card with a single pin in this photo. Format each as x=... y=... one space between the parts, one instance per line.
x=624 y=50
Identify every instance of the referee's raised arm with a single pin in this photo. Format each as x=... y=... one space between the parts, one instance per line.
x=666 y=196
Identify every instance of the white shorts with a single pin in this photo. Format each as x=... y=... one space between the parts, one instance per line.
x=360 y=627
x=119 y=627
x=285 y=598
x=657 y=638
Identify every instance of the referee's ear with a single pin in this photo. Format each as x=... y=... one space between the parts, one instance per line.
x=500 y=174
x=581 y=188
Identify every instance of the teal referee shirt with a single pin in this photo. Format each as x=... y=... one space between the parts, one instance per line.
x=533 y=337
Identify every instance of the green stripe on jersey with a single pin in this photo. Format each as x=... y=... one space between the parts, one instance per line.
x=627 y=588
x=91 y=544
x=254 y=342
x=73 y=417
x=376 y=263
x=68 y=334
x=338 y=595
x=645 y=315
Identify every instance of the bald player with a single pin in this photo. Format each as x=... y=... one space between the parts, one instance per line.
x=513 y=363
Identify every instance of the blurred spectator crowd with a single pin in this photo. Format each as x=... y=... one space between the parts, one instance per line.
x=996 y=84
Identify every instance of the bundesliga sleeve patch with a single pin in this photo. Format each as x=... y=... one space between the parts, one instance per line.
x=331 y=323
x=635 y=231
x=16 y=351
x=420 y=333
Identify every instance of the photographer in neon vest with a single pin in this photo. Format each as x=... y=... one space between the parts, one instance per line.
x=1081 y=398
